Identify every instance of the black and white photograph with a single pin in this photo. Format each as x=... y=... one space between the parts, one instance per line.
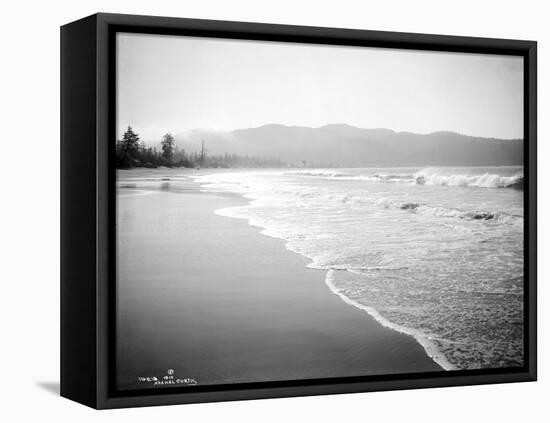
x=289 y=211
x=276 y=211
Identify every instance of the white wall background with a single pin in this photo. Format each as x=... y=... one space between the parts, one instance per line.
x=29 y=210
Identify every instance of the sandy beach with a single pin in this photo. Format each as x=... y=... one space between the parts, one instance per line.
x=216 y=301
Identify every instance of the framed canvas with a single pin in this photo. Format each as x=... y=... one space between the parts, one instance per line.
x=255 y=211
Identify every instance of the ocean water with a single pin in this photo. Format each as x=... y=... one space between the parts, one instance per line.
x=436 y=253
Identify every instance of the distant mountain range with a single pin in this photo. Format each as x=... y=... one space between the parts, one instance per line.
x=341 y=145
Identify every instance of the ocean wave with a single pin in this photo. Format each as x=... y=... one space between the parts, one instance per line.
x=291 y=195
x=427 y=176
x=431 y=176
x=426 y=341
x=329 y=174
x=423 y=291
x=497 y=217
x=321 y=174
x=436 y=211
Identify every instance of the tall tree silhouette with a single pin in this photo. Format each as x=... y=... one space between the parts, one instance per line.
x=168 y=145
x=203 y=154
x=128 y=149
x=131 y=153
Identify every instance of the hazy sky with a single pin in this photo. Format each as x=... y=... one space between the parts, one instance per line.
x=174 y=83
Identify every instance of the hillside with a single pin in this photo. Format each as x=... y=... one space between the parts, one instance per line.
x=341 y=145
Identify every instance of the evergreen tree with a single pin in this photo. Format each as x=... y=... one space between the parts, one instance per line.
x=131 y=153
x=128 y=149
x=168 y=145
x=130 y=142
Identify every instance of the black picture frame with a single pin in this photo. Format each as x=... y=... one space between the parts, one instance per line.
x=88 y=208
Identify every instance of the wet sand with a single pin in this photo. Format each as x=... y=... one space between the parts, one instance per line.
x=216 y=301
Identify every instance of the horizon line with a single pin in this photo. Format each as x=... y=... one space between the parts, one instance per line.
x=441 y=131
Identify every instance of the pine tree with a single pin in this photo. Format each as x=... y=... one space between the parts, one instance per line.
x=130 y=142
x=168 y=145
x=128 y=149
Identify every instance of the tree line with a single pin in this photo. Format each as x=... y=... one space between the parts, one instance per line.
x=131 y=152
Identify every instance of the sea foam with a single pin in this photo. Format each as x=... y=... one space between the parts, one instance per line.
x=426 y=341
x=431 y=261
x=426 y=176
x=434 y=176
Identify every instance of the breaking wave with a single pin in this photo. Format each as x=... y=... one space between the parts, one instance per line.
x=427 y=176
x=431 y=176
x=435 y=211
x=436 y=263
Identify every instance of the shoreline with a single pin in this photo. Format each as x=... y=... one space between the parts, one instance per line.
x=316 y=219
x=269 y=318
x=430 y=347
